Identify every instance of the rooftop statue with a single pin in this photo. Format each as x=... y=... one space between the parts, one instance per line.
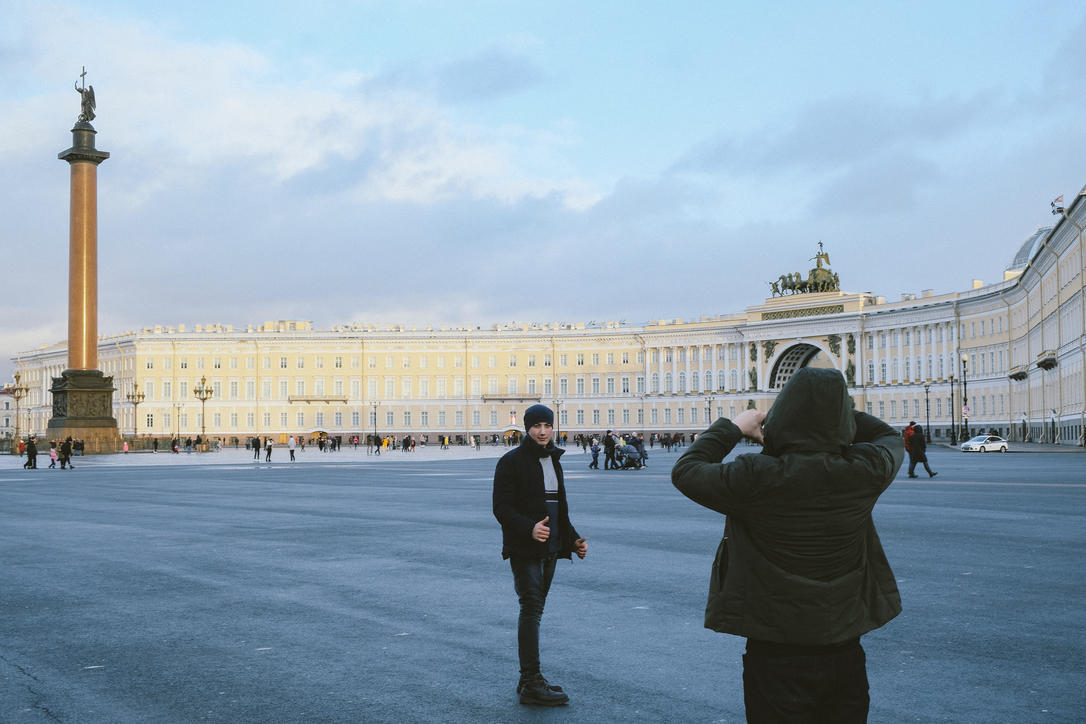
x=86 y=95
x=819 y=279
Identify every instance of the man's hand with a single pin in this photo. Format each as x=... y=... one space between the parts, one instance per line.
x=750 y=424
x=580 y=547
x=541 y=531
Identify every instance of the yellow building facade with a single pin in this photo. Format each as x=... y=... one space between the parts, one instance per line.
x=1009 y=356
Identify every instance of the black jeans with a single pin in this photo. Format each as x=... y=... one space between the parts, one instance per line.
x=806 y=685
x=531 y=580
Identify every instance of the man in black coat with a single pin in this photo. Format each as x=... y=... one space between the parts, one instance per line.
x=800 y=571
x=918 y=452
x=609 y=452
x=530 y=503
x=31 y=454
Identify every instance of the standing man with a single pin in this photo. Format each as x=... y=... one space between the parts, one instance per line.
x=267 y=449
x=609 y=452
x=290 y=447
x=530 y=504
x=800 y=572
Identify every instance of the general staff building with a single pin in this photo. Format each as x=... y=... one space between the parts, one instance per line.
x=1005 y=357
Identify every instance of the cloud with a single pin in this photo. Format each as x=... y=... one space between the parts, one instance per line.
x=489 y=74
x=836 y=132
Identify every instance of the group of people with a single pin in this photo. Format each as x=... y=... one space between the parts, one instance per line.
x=620 y=452
x=916 y=445
x=61 y=451
x=799 y=572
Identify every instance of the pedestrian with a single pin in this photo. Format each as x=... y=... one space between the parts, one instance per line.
x=595 y=455
x=290 y=447
x=31 y=454
x=267 y=449
x=53 y=453
x=154 y=445
x=918 y=452
x=256 y=447
x=530 y=503
x=66 y=454
x=800 y=571
x=124 y=447
x=609 y=452
x=907 y=433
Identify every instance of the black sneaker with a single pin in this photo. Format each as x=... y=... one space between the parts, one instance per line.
x=537 y=692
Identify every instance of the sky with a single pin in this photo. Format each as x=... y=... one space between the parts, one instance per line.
x=424 y=162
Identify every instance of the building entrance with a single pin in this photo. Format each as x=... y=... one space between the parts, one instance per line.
x=795 y=357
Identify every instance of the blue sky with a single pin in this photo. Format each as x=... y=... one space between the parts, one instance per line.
x=481 y=162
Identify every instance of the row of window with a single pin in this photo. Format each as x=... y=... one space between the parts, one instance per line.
x=405 y=361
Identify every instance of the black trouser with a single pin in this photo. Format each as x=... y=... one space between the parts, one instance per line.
x=609 y=459
x=914 y=460
x=805 y=684
x=531 y=580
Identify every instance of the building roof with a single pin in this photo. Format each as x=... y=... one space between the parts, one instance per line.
x=1029 y=248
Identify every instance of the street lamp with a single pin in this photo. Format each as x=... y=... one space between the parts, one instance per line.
x=953 y=415
x=18 y=392
x=927 y=413
x=135 y=397
x=177 y=424
x=965 y=396
x=376 y=442
x=203 y=393
x=558 y=422
x=709 y=409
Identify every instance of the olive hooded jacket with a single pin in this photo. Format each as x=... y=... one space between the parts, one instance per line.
x=800 y=562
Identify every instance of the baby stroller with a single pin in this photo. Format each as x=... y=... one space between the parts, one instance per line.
x=628 y=457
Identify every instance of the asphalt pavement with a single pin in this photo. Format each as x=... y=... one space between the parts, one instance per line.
x=351 y=588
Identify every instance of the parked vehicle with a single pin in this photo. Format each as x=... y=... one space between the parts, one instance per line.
x=985 y=443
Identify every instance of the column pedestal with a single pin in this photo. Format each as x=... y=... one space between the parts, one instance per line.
x=83 y=410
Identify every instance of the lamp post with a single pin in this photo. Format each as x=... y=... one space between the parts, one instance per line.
x=376 y=443
x=135 y=397
x=953 y=415
x=965 y=396
x=18 y=392
x=177 y=424
x=709 y=410
x=927 y=413
x=203 y=393
x=557 y=422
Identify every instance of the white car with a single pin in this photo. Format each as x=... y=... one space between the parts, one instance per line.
x=984 y=443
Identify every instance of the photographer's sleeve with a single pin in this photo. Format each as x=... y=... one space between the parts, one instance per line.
x=701 y=476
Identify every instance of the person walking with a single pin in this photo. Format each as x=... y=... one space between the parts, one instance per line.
x=267 y=449
x=53 y=453
x=66 y=454
x=290 y=447
x=530 y=504
x=800 y=571
x=918 y=452
x=595 y=456
x=31 y=454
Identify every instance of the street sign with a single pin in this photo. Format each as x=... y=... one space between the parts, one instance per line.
x=965 y=411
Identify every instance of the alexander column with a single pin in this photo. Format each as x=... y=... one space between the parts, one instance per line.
x=82 y=395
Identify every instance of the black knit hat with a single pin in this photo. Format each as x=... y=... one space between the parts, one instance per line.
x=537 y=414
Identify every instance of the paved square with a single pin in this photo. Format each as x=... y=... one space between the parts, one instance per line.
x=345 y=588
